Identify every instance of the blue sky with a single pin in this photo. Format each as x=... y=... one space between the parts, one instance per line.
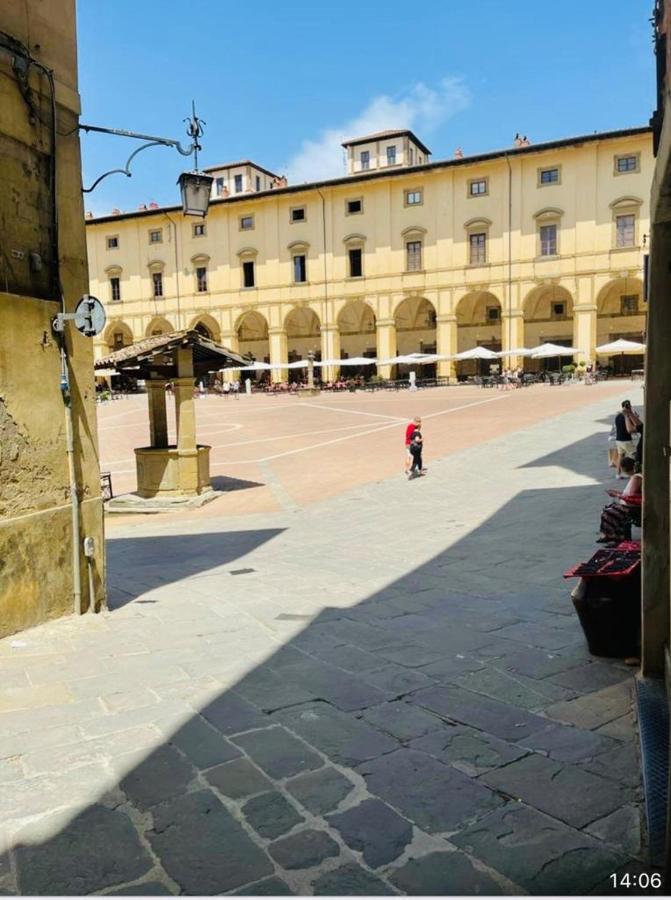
x=283 y=83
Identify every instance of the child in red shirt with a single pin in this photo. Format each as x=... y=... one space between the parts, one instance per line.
x=414 y=426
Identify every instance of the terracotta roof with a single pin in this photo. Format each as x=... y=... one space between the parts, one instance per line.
x=398 y=171
x=389 y=133
x=141 y=355
x=240 y=162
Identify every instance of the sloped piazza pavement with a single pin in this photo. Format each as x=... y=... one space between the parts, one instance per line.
x=385 y=693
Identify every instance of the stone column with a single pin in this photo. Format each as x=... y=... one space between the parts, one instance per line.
x=330 y=337
x=446 y=345
x=229 y=340
x=158 y=416
x=185 y=415
x=656 y=457
x=584 y=331
x=512 y=335
x=386 y=344
x=277 y=341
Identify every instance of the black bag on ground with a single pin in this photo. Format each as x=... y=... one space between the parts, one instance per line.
x=609 y=610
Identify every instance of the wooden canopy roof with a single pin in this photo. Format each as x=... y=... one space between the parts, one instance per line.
x=158 y=354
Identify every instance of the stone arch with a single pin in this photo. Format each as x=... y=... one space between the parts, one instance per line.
x=415 y=319
x=356 y=326
x=622 y=313
x=538 y=304
x=207 y=326
x=117 y=335
x=548 y=318
x=303 y=330
x=478 y=325
x=158 y=325
x=251 y=329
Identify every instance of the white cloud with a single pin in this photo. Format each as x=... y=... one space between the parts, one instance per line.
x=421 y=108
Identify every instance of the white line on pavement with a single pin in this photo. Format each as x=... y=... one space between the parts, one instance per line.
x=354 y=412
x=349 y=437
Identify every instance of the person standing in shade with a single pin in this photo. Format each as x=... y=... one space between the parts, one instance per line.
x=624 y=441
x=415 y=425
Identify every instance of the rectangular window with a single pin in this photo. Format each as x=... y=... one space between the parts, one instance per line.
x=300 y=271
x=413 y=251
x=477 y=249
x=629 y=304
x=201 y=279
x=237 y=181
x=246 y=223
x=477 y=187
x=365 y=160
x=411 y=156
x=115 y=288
x=493 y=313
x=353 y=207
x=118 y=340
x=112 y=242
x=156 y=236
x=356 y=262
x=219 y=186
x=258 y=182
x=391 y=155
x=558 y=310
x=548 y=176
x=626 y=163
x=548 y=236
x=298 y=214
x=248 y=273
x=625 y=231
x=157 y=280
x=413 y=198
x=200 y=229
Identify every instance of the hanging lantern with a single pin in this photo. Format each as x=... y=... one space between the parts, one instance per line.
x=195 y=189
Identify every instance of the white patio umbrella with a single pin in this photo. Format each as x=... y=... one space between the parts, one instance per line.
x=358 y=361
x=621 y=346
x=409 y=359
x=350 y=361
x=516 y=351
x=476 y=353
x=544 y=351
x=299 y=364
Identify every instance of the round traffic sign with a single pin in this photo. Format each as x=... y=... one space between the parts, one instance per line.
x=90 y=315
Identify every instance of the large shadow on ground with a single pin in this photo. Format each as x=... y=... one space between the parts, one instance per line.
x=447 y=696
x=138 y=564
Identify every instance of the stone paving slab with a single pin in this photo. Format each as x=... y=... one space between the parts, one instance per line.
x=417 y=785
x=444 y=874
x=340 y=723
x=566 y=792
x=538 y=853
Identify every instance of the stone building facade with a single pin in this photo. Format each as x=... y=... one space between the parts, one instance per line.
x=505 y=249
x=42 y=247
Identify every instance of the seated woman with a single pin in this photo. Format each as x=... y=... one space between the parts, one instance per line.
x=617 y=517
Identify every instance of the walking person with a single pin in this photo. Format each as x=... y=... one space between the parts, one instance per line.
x=235 y=388
x=226 y=390
x=415 y=425
x=416 y=445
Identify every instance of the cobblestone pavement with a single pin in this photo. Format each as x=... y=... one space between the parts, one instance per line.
x=385 y=693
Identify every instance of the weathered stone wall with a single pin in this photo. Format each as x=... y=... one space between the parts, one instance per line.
x=36 y=579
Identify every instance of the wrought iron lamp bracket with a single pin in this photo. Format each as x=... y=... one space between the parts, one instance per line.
x=194 y=130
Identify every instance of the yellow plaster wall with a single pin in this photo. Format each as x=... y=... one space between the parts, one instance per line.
x=35 y=514
x=587 y=258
